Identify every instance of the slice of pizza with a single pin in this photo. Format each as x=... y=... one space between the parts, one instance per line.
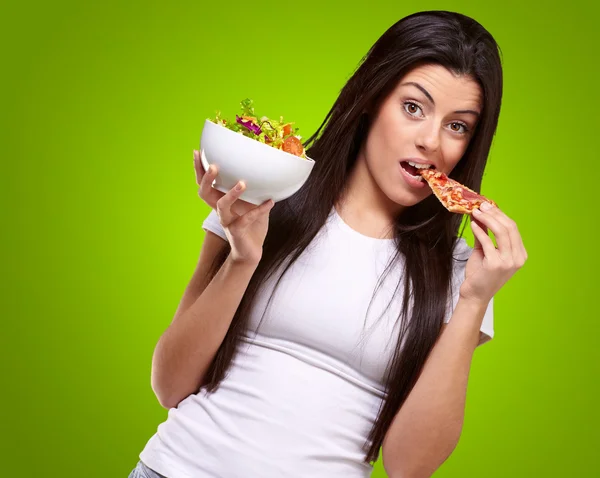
x=454 y=196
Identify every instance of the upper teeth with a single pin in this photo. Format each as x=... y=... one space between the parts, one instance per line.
x=419 y=166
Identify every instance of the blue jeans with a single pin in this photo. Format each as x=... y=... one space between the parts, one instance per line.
x=142 y=471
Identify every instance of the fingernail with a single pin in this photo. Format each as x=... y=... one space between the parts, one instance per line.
x=239 y=186
x=486 y=206
x=476 y=212
x=211 y=169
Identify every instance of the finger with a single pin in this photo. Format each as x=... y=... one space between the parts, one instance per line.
x=484 y=229
x=264 y=209
x=519 y=252
x=209 y=194
x=241 y=207
x=500 y=232
x=483 y=240
x=199 y=170
x=224 y=205
x=257 y=214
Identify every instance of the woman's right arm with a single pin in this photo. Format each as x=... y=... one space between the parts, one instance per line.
x=186 y=349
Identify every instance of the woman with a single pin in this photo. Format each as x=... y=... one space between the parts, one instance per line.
x=343 y=320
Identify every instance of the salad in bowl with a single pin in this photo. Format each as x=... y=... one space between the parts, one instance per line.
x=267 y=154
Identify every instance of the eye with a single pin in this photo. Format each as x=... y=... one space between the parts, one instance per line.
x=412 y=108
x=465 y=128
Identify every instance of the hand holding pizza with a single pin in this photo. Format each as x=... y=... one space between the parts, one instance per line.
x=489 y=268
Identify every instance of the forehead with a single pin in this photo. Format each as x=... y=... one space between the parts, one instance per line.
x=443 y=85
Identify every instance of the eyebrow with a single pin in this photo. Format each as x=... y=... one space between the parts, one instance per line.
x=430 y=98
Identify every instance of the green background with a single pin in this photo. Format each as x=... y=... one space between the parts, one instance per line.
x=101 y=107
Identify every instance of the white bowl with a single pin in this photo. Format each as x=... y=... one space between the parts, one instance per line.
x=269 y=173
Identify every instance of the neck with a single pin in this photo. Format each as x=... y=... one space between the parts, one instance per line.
x=364 y=207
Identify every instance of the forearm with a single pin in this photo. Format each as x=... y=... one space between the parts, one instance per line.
x=186 y=349
x=427 y=427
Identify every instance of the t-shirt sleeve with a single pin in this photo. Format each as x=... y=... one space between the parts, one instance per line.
x=463 y=251
x=212 y=224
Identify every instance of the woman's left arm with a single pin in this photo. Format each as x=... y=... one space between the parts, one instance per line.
x=427 y=427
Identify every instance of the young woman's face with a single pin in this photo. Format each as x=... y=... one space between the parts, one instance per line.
x=429 y=118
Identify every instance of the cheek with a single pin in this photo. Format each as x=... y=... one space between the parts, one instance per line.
x=453 y=152
x=383 y=144
x=381 y=157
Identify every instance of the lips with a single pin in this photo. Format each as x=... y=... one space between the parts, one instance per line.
x=414 y=182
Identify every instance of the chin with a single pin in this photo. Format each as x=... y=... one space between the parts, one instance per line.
x=403 y=197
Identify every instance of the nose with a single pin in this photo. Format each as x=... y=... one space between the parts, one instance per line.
x=428 y=137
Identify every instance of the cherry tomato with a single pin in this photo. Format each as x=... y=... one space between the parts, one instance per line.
x=293 y=145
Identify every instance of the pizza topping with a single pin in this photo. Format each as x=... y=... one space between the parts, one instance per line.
x=454 y=196
x=467 y=194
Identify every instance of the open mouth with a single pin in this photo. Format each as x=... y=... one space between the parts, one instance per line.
x=412 y=170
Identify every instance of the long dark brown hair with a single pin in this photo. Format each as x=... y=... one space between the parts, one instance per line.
x=426 y=233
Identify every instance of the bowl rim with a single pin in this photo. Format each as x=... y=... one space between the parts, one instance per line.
x=209 y=121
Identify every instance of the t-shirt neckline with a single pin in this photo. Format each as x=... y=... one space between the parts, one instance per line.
x=344 y=226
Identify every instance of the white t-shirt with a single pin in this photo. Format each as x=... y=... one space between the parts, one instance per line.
x=304 y=390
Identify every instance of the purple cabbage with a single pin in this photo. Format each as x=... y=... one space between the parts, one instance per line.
x=249 y=124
